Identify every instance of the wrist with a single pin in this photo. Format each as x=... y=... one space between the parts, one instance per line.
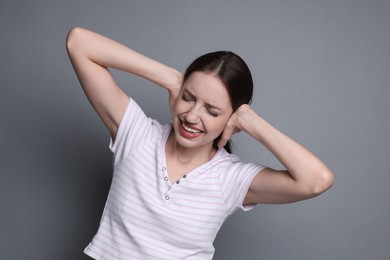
x=174 y=80
x=244 y=117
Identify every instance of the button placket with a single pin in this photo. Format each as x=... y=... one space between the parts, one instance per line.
x=165 y=175
x=168 y=185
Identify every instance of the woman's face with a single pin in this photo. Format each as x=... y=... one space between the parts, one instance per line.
x=201 y=110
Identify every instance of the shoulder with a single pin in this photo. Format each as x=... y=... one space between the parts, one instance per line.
x=230 y=166
x=136 y=129
x=227 y=162
x=222 y=160
x=135 y=115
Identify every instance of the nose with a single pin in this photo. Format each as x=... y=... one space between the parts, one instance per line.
x=193 y=115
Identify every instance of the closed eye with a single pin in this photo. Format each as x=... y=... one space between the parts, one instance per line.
x=212 y=113
x=187 y=98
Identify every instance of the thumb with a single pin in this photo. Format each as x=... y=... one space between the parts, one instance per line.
x=226 y=135
x=222 y=143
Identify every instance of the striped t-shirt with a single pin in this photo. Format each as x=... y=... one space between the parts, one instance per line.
x=148 y=217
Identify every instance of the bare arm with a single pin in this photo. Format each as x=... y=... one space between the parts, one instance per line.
x=305 y=176
x=92 y=54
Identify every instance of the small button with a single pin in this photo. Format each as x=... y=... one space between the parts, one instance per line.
x=177 y=182
x=163 y=168
x=184 y=176
x=166 y=178
x=167 y=197
x=169 y=188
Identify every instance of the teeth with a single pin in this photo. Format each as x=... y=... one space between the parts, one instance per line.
x=190 y=129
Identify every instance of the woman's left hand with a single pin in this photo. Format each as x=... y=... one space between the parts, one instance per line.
x=235 y=123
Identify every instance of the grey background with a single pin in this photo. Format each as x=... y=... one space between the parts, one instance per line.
x=322 y=74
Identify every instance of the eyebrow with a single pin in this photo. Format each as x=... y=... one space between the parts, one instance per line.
x=192 y=95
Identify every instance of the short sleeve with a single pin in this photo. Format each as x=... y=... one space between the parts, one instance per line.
x=235 y=179
x=134 y=128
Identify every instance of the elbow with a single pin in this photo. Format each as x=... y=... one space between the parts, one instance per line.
x=73 y=39
x=324 y=182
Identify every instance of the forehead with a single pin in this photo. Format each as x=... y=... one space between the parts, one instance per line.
x=209 y=88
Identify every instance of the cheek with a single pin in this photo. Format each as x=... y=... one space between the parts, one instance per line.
x=180 y=106
x=175 y=110
x=217 y=125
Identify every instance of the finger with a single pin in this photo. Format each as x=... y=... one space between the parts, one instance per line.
x=221 y=143
x=226 y=135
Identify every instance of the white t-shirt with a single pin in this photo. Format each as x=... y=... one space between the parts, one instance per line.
x=148 y=217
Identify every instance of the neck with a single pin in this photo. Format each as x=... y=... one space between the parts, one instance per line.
x=195 y=155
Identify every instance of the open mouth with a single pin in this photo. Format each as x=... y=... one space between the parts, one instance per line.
x=190 y=130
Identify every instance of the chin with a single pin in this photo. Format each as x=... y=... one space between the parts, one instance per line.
x=185 y=142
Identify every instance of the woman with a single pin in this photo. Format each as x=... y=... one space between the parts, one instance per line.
x=174 y=185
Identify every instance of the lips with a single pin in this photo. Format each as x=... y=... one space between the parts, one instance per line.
x=189 y=132
x=190 y=129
